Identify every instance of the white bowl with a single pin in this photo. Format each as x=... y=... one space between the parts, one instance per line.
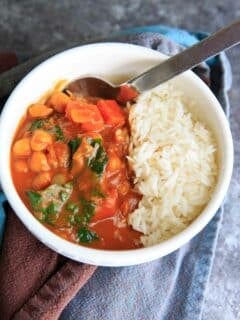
x=112 y=61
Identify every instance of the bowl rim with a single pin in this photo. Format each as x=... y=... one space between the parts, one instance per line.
x=116 y=257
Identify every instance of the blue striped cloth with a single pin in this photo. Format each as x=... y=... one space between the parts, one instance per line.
x=2 y=215
x=173 y=287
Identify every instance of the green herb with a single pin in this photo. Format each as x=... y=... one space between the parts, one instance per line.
x=82 y=215
x=35 y=199
x=59 y=133
x=78 y=219
x=71 y=219
x=86 y=236
x=75 y=219
x=63 y=196
x=36 y=124
x=97 y=162
x=88 y=209
x=94 y=142
x=74 y=144
x=49 y=213
x=72 y=207
x=97 y=193
x=50 y=200
x=57 y=193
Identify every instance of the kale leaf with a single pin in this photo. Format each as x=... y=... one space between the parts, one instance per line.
x=50 y=201
x=58 y=133
x=37 y=124
x=35 y=199
x=74 y=144
x=86 y=236
x=97 y=162
x=88 y=209
x=72 y=207
x=49 y=213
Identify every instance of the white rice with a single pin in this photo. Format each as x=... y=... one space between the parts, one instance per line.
x=174 y=160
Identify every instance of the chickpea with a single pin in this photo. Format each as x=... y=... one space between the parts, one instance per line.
x=21 y=148
x=42 y=180
x=38 y=162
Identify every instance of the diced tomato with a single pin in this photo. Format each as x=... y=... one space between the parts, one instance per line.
x=85 y=114
x=62 y=153
x=130 y=203
x=111 y=112
x=126 y=93
x=108 y=206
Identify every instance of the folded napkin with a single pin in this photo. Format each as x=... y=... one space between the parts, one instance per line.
x=37 y=283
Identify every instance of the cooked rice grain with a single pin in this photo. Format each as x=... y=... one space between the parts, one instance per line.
x=174 y=160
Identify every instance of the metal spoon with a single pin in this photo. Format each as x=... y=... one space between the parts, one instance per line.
x=185 y=60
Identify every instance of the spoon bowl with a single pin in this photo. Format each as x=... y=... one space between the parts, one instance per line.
x=94 y=87
x=97 y=87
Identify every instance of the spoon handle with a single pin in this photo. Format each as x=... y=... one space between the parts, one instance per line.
x=189 y=58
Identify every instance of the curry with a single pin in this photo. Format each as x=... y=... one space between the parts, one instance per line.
x=69 y=166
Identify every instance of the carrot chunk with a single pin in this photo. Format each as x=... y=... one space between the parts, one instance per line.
x=126 y=94
x=38 y=162
x=42 y=180
x=21 y=148
x=40 y=140
x=21 y=166
x=111 y=112
x=38 y=110
x=58 y=101
x=85 y=114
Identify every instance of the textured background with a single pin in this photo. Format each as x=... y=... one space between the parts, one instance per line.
x=31 y=27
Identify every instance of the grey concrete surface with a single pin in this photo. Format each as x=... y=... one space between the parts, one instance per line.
x=31 y=27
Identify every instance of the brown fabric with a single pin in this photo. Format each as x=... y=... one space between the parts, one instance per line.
x=7 y=60
x=51 y=299
x=35 y=282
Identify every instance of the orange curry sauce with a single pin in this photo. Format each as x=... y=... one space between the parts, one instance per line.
x=79 y=144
